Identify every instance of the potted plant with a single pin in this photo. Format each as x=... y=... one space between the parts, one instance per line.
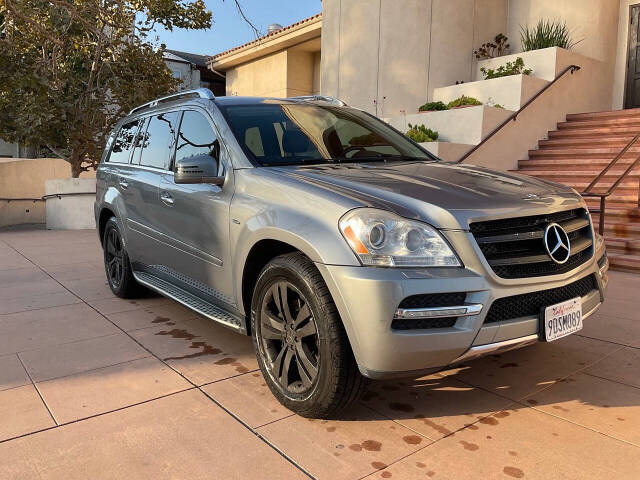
x=463 y=101
x=421 y=133
x=497 y=48
x=510 y=68
x=432 y=107
x=547 y=33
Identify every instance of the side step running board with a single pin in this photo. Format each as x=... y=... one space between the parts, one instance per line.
x=191 y=301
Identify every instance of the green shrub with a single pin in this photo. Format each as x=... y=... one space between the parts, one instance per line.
x=463 y=100
x=420 y=133
x=547 y=33
x=511 y=68
x=432 y=107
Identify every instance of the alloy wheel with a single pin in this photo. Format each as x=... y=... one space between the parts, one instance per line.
x=289 y=338
x=114 y=257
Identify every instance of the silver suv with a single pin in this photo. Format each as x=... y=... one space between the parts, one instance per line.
x=343 y=248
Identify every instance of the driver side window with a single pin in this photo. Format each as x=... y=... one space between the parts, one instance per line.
x=197 y=139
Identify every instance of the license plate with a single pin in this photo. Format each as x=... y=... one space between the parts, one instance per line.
x=562 y=319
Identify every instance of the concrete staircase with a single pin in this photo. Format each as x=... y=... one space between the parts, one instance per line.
x=576 y=153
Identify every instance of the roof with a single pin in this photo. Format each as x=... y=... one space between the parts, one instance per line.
x=277 y=33
x=200 y=60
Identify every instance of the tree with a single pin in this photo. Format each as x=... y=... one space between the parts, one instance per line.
x=69 y=69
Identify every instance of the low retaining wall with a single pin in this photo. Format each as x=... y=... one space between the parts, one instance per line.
x=22 y=186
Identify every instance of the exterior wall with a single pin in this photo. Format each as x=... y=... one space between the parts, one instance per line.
x=388 y=56
x=25 y=178
x=263 y=77
x=190 y=76
x=299 y=72
x=596 y=22
x=622 y=52
x=8 y=149
x=317 y=68
x=361 y=41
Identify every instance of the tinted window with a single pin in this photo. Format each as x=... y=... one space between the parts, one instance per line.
x=279 y=134
x=196 y=138
x=123 y=142
x=158 y=140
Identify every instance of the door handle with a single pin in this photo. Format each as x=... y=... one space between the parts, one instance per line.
x=166 y=198
x=123 y=183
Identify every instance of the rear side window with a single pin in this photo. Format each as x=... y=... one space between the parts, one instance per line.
x=196 y=138
x=123 y=143
x=158 y=141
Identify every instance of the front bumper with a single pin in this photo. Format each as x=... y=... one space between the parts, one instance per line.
x=368 y=297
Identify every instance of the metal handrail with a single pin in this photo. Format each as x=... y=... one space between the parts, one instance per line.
x=603 y=195
x=514 y=115
x=44 y=197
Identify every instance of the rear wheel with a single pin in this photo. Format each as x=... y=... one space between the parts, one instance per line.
x=302 y=348
x=116 y=262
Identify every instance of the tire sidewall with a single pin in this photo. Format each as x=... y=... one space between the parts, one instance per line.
x=113 y=224
x=272 y=273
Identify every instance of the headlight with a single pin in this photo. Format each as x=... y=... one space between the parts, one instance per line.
x=381 y=238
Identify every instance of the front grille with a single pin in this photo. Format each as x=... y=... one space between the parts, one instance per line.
x=429 y=300
x=528 y=304
x=514 y=247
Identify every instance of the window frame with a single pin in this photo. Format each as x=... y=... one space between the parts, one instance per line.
x=214 y=128
x=172 y=152
x=115 y=137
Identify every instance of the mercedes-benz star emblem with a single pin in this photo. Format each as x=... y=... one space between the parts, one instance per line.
x=557 y=243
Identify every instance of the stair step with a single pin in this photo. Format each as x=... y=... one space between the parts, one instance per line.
x=631 y=215
x=617 y=245
x=611 y=176
x=629 y=112
x=582 y=163
x=618 y=142
x=625 y=263
x=601 y=122
x=611 y=131
x=587 y=152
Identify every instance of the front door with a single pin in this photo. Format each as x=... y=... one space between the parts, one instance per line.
x=195 y=217
x=632 y=90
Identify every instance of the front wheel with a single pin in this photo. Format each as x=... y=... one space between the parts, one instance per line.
x=300 y=342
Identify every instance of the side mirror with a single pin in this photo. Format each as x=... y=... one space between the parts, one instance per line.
x=198 y=169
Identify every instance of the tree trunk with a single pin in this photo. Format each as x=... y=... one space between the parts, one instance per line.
x=27 y=151
x=76 y=163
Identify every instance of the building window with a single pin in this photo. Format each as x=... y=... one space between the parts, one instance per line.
x=176 y=74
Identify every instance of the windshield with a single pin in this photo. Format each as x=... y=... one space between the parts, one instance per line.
x=295 y=134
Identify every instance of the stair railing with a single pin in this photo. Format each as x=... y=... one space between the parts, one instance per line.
x=604 y=195
x=514 y=115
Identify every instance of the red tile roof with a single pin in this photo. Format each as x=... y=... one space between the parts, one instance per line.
x=261 y=39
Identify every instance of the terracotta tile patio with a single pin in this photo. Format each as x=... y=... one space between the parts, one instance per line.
x=92 y=386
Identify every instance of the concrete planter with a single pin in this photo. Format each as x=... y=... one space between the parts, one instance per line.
x=71 y=205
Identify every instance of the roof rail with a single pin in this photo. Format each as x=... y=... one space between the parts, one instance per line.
x=199 y=92
x=319 y=98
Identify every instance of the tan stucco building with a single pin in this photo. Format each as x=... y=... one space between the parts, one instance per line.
x=389 y=55
x=284 y=63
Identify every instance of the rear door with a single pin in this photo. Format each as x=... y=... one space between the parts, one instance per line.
x=196 y=217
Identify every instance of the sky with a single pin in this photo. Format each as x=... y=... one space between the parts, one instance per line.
x=229 y=30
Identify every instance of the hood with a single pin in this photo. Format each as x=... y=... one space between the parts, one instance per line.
x=443 y=194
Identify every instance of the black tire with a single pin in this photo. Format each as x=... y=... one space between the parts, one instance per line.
x=337 y=382
x=116 y=263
